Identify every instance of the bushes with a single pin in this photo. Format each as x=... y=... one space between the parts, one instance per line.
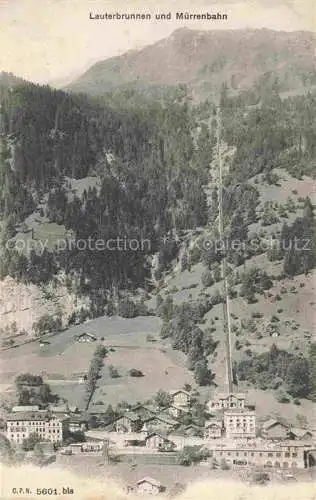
x=202 y=374
x=260 y=477
x=127 y=308
x=163 y=399
x=113 y=372
x=31 y=390
x=29 y=443
x=135 y=373
x=264 y=369
x=191 y=455
x=299 y=380
x=207 y=279
x=47 y=324
x=254 y=281
x=282 y=397
x=224 y=465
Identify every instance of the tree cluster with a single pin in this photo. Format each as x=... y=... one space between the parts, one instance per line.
x=31 y=390
x=94 y=372
x=180 y=325
x=277 y=367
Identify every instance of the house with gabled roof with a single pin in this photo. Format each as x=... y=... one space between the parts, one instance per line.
x=274 y=429
x=213 y=429
x=180 y=397
x=129 y=422
x=77 y=423
x=176 y=411
x=157 y=441
x=85 y=338
x=149 y=486
x=159 y=423
x=299 y=434
x=190 y=430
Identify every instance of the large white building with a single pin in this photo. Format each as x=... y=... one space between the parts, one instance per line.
x=240 y=424
x=286 y=455
x=21 y=425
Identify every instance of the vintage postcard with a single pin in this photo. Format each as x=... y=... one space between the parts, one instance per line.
x=157 y=249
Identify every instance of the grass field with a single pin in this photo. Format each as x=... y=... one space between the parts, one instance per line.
x=161 y=371
x=60 y=361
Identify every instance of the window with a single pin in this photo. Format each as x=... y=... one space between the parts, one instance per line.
x=278 y=454
x=245 y=454
x=287 y=454
x=270 y=454
x=294 y=455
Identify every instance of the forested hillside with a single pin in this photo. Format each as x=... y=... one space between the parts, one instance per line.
x=76 y=170
x=150 y=181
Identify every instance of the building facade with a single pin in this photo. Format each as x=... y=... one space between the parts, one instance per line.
x=213 y=429
x=225 y=401
x=177 y=411
x=157 y=442
x=240 y=424
x=148 y=486
x=77 y=423
x=48 y=427
x=284 y=456
x=85 y=338
x=128 y=423
x=180 y=398
x=273 y=429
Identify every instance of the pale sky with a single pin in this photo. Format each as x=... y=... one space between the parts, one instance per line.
x=48 y=40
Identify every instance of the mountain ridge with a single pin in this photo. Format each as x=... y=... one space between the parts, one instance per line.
x=204 y=60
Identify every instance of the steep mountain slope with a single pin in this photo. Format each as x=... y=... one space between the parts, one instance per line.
x=149 y=171
x=206 y=59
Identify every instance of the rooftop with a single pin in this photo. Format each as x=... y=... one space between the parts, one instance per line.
x=149 y=480
x=239 y=411
x=25 y=408
x=40 y=415
x=223 y=395
x=177 y=391
x=213 y=422
x=157 y=434
x=271 y=422
x=300 y=432
x=85 y=334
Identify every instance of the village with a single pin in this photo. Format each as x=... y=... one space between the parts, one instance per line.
x=230 y=438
